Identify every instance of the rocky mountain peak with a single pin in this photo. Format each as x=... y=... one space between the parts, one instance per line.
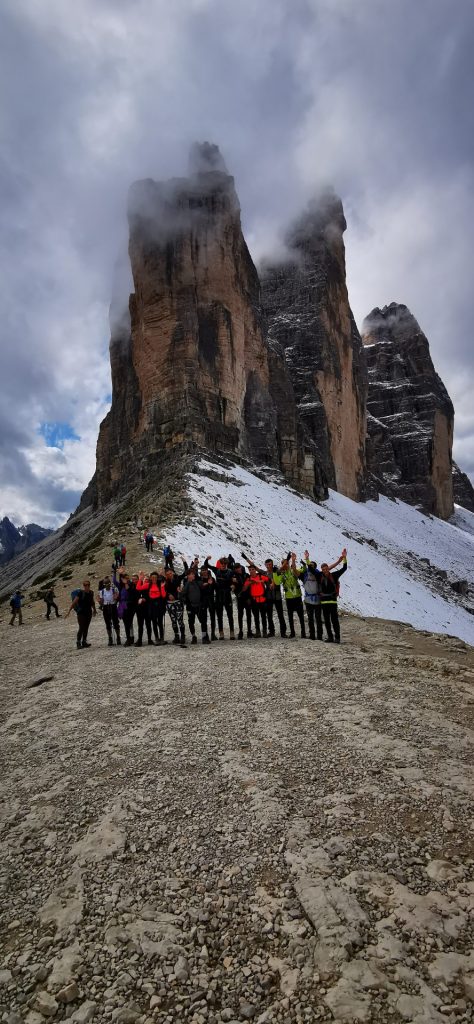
x=205 y=157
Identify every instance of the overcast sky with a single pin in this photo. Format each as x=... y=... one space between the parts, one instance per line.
x=374 y=96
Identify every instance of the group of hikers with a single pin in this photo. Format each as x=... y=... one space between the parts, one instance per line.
x=204 y=593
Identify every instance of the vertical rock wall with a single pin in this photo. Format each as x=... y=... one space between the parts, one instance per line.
x=306 y=306
x=410 y=429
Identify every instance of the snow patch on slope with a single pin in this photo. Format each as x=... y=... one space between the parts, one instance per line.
x=241 y=511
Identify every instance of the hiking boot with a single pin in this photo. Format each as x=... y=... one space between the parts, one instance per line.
x=250 y=635
x=128 y=643
x=85 y=645
x=111 y=643
x=150 y=642
x=221 y=634
x=182 y=642
x=337 y=640
x=213 y=636
x=240 y=635
x=329 y=640
x=119 y=642
x=78 y=645
x=138 y=643
x=292 y=634
x=194 y=640
x=265 y=634
x=176 y=640
x=257 y=633
x=303 y=635
x=205 y=639
x=271 y=632
x=232 y=635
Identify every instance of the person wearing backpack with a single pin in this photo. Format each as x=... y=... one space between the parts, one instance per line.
x=256 y=585
x=311 y=579
x=51 y=603
x=329 y=593
x=84 y=606
x=15 y=605
x=123 y=552
x=168 y=557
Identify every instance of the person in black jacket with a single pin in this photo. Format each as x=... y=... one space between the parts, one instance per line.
x=84 y=606
x=223 y=576
x=174 y=605
x=193 y=597
x=329 y=590
x=208 y=591
x=244 y=604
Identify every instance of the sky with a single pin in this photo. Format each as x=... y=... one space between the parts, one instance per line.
x=375 y=97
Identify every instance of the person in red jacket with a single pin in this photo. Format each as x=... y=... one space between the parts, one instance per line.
x=143 y=612
x=257 y=584
x=157 y=607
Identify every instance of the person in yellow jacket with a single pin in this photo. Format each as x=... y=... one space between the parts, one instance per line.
x=287 y=577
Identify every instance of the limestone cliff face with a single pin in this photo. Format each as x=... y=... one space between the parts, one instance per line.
x=410 y=425
x=307 y=310
x=463 y=491
x=194 y=370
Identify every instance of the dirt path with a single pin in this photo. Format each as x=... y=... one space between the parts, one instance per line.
x=267 y=830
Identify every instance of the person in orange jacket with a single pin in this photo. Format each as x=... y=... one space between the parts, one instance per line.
x=257 y=584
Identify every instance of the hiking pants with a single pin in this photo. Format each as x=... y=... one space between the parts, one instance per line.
x=15 y=612
x=295 y=604
x=313 y=612
x=278 y=607
x=111 y=619
x=201 y=615
x=175 y=612
x=127 y=620
x=259 y=610
x=243 y=605
x=331 y=620
x=83 y=622
x=49 y=605
x=210 y=607
x=224 y=600
x=143 y=619
x=157 y=617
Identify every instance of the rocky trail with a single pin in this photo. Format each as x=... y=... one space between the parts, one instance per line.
x=268 y=830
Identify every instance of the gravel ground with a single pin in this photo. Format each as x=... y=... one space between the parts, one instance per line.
x=269 y=830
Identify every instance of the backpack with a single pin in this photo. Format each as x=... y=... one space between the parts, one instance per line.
x=166 y=550
x=337 y=585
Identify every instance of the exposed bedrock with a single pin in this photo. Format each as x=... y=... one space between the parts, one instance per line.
x=411 y=416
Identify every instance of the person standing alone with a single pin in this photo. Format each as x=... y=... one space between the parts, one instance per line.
x=84 y=606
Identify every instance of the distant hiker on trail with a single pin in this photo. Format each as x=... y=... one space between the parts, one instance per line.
x=84 y=605
x=244 y=606
x=117 y=556
x=15 y=605
x=108 y=600
x=50 y=603
x=311 y=577
x=329 y=590
x=142 y=587
x=223 y=577
x=123 y=552
x=149 y=541
x=168 y=557
x=287 y=576
x=174 y=605
x=256 y=584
